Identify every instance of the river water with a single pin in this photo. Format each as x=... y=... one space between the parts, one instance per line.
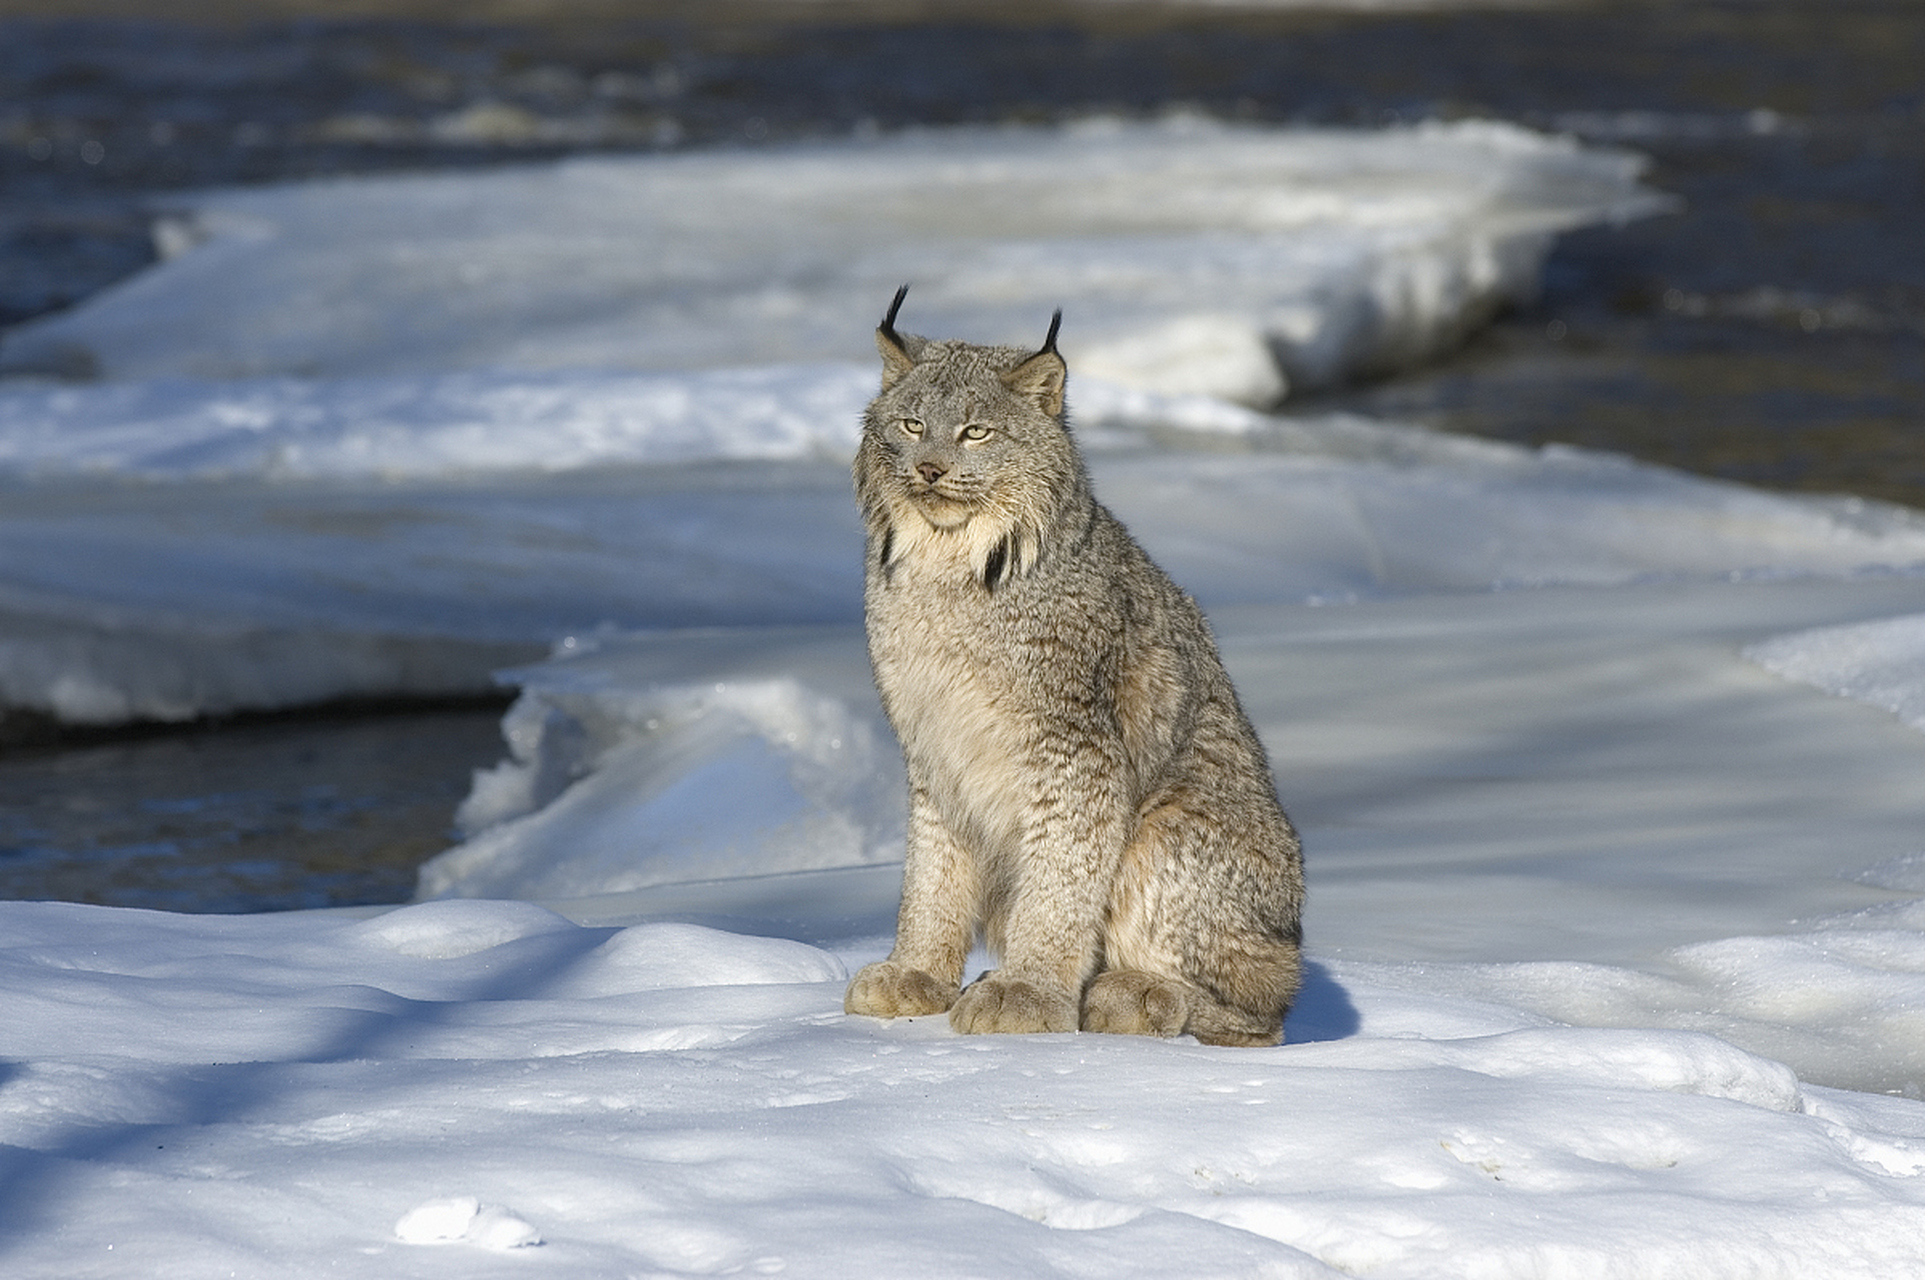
x=1771 y=331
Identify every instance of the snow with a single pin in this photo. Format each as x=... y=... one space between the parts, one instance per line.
x=466 y=1219
x=1580 y=802
x=1611 y=779
x=288 y=1095
x=425 y=426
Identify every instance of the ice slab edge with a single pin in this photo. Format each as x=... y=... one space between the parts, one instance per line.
x=89 y=674
x=1188 y=256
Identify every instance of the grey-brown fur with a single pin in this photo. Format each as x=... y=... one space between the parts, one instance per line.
x=1084 y=790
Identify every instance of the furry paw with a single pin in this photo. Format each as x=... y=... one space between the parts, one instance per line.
x=887 y=989
x=1133 y=1003
x=994 y=1003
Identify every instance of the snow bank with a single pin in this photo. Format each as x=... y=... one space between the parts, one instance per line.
x=1583 y=803
x=485 y=1086
x=1188 y=256
x=1842 y=1003
x=1881 y=663
x=669 y=783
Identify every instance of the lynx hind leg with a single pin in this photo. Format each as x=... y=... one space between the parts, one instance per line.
x=1207 y=917
x=1131 y=1002
x=1252 y=1023
x=890 y=989
x=1239 y=987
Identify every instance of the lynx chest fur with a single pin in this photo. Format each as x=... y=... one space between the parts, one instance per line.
x=1085 y=792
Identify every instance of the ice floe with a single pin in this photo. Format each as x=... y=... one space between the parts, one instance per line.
x=1189 y=256
x=125 y=597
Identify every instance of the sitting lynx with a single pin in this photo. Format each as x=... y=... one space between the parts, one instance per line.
x=1083 y=787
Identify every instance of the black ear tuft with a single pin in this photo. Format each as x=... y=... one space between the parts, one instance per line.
x=888 y=326
x=1039 y=379
x=898 y=353
x=1049 y=343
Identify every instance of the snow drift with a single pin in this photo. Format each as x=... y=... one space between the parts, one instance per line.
x=1880 y=663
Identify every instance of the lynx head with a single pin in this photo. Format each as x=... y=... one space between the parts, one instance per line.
x=965 y=453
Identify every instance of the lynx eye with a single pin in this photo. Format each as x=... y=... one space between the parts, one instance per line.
x=973 y=432
x=912 y=426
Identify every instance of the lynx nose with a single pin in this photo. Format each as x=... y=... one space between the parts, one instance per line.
x=931 y=471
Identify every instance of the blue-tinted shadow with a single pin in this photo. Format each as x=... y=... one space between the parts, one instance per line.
x=1323 y=1010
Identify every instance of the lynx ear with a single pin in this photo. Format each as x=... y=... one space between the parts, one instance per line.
x=898 y=352
x=1040 y=378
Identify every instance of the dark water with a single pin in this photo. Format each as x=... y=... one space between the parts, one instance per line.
x=1773 y=331
x=261 y=814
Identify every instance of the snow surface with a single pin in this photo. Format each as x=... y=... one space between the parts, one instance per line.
x=1607 y=900
x=289 y=1096
x=1582 y=803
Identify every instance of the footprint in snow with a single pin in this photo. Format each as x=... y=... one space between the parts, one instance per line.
x=465 y=1220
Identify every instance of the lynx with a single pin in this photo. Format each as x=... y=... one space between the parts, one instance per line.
x=1085 y=793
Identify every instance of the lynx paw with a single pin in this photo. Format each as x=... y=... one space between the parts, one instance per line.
x=994 y=1003
x=1133 y=1003
x=887 y=989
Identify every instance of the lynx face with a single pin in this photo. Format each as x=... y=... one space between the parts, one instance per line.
x=965 y=457
x=958 y=444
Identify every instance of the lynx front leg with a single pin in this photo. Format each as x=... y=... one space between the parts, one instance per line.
x=1054 y=933
x=934 y=925
x=1003 y=1002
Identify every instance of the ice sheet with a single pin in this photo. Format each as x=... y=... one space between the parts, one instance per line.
x=420 y=426
x=1188 y=256
x=125 y=598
